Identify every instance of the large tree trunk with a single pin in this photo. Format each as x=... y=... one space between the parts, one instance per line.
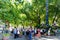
x=23 y=24
x=31 y=24
x=38 y=21
x=7 y=24
x=17 y=25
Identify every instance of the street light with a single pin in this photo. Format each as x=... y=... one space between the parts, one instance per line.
x=47 y=22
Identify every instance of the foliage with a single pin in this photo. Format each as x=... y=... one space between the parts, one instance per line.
x=29 y=13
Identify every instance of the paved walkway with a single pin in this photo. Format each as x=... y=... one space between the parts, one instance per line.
x=49 y=38
x=42 y=38
x=22 y=38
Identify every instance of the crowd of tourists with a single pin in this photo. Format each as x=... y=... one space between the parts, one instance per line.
x=28 y=32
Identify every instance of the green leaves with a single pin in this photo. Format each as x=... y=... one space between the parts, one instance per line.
x=18 y=11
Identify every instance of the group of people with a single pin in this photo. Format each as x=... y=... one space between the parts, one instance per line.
x=29 y=32
x=15 y=32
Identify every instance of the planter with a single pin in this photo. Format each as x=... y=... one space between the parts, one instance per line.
x=5 y=36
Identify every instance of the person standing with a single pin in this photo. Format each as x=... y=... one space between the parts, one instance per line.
x=27 y=34
x=35 y=31
x=15 y=32
x=18 y=33
x=38 y=34
x=49 y=31
x=30 y=34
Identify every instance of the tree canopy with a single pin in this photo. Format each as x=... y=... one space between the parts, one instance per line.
x=29 y=12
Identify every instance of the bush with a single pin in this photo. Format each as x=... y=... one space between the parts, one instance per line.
x=6 y=34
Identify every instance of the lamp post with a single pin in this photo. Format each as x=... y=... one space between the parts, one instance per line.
x=47 y=22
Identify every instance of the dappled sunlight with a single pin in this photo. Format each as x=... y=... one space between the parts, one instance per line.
x=12 y=1
x=42 y=22
x=50 y=22
x=20 y=6
x=30 y=1
x=22 y=16
x=52 y=3
x=57 y=24
x=42 y=16
x=56 y=18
